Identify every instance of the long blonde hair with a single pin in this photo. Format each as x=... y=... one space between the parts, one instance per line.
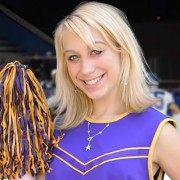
x=114 y=27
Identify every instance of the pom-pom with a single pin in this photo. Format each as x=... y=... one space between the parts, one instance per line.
x=26 y=129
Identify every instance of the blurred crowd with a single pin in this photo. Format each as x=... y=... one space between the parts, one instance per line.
x=168 y=101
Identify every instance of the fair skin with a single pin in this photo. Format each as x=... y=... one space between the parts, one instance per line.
x=174 y=108
x=93 y=72
x=29 y=177
x=167 y=151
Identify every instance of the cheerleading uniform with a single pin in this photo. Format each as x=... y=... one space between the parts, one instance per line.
x=123 y=151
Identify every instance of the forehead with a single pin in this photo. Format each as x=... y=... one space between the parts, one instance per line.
x=73 y=39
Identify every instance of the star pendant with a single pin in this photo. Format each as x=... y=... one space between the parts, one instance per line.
x=88 y=147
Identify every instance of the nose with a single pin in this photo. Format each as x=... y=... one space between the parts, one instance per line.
x=87 y=66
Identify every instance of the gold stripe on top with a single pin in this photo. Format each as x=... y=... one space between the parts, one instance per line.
x=103 y=162
x=150 y=156
x=98 y=157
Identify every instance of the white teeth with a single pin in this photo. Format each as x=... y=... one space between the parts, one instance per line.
x=94 y=81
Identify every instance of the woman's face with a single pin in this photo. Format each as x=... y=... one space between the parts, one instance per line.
x=94 y=71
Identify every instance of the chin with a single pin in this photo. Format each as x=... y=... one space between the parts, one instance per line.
x=95 y=97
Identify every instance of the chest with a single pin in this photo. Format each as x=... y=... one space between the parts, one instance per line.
x=121 y=150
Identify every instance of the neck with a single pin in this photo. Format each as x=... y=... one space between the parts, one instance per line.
x=107 y=110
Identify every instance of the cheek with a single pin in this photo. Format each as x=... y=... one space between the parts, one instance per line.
x=104 y=63
x=111 y=64
x=117 y=62
x=115 y=65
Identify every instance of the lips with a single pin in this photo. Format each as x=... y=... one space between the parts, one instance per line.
x=93 y=81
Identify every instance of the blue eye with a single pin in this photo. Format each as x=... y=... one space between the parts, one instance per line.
x=96 y=52
x=72 y=58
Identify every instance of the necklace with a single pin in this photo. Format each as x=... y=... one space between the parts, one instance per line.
x=88 y=147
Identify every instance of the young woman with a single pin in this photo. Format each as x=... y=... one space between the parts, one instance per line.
x=110 y=130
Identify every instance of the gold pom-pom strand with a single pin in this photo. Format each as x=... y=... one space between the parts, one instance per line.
x=26 y=129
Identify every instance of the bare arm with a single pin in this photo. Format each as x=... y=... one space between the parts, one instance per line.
x=174 y=108
x=26 y=177
x=167 y=151
x=29 y=177
x=41 y=177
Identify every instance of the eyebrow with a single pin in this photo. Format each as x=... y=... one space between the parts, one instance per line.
x=71 y=50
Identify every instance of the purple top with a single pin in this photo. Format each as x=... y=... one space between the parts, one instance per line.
x=123 y=150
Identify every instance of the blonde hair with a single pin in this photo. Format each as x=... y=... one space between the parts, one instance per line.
x=113 y=26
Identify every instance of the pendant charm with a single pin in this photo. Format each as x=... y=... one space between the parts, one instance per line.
x=89 y=139
x=88 y=147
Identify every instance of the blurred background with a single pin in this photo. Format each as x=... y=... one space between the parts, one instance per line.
x=27 y=26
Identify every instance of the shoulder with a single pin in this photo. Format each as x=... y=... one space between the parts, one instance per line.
x=167 y=135
x=167 y=149
x=152 y=114
x=153 y=120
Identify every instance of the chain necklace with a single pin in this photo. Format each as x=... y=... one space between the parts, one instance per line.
x=88 y=147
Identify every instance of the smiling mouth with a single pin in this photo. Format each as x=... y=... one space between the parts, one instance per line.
x=93 y=81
